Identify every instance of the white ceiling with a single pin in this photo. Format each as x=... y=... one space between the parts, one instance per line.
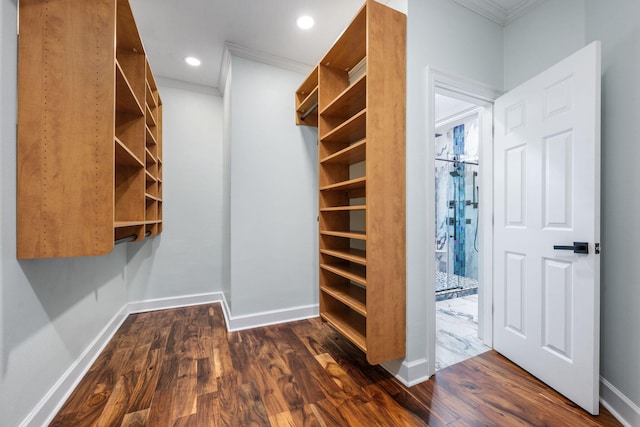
x=174 y=29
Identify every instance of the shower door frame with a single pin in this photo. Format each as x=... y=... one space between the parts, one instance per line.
x=482 y=95
x=459 y=118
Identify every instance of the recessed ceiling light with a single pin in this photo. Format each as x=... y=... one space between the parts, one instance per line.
x=194 y=62
x=305 y=22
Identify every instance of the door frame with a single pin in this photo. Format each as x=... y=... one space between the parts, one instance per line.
x=482 y=95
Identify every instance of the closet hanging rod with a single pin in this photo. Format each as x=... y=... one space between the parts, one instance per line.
x=130 y=238
x=308 y=113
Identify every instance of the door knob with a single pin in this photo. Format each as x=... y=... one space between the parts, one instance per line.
x=577 y=248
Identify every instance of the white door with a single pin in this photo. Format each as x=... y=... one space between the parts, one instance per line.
x=547 y=193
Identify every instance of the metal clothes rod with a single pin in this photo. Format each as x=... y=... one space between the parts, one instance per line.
x=308 y=113
x=130 y=238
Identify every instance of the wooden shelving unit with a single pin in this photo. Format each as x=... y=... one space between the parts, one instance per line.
x=89 y=131
x=360 y=90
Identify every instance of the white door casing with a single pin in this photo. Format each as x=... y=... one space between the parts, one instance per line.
x=547 y=192
x=478 y=93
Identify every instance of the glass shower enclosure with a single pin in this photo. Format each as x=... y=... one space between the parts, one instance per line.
x=457 y=200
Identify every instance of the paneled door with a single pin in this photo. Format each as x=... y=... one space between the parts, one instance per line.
x=547 y=226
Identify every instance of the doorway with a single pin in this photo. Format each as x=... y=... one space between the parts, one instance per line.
x=467 y=99
x=457 y=252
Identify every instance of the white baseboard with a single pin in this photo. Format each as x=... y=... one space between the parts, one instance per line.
x=52 y=402
x=266 y=318
x=174 y=302
x=620 y=406
x=408 y=373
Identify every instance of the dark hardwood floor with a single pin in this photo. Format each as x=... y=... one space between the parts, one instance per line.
x=181 y=368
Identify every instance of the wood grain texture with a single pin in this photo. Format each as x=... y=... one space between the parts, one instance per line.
x=65 y=129
x=386 y=259
x=181 y=367
x=77 y=93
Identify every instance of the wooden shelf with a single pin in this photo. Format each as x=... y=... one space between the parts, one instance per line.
x=352 y=184
x=346 y=234
x=126 y=101
x=124 y=224
x=345 y=327
x=151 y=197
x=353 y=255
x=356 y=273
x=309 y=102
x=94 y=159
x=150 y=139
x=352 y=296
x=345 y=208
x=151 y=121
x=151 y=100
x=350 y=101
x=124 y=156
x=352 y=154
x=150 y=158
x=306 y=99
x=351 y=130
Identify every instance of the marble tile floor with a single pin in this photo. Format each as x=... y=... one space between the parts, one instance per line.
x=457 y=331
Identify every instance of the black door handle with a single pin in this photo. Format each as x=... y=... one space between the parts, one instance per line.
x=577 y=248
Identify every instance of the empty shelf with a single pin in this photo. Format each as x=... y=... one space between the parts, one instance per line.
x=351 y=296
x=355 y=273
x=351 y=184
x=344 y=327
x=346 y=234
x=354 y=255
x=352 y=154
x=344 y=208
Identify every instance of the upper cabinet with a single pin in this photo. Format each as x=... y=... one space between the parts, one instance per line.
x=89 y=153
x=359 y=90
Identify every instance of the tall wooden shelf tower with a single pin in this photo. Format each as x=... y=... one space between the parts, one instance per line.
x=89 y=152
x=359 y=87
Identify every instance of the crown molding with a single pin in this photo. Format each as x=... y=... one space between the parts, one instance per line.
x=193 y=87
x=225 y=65
x=497 y=13
x=233 y=49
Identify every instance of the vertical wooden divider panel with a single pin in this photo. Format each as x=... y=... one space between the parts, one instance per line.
x=386 y=116
x=65 y=131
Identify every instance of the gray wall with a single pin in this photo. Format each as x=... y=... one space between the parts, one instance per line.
x=186 y=258
x=273 y=184
x=619 y=30
x=50 y=310
x=536 y=41
x=545 y=35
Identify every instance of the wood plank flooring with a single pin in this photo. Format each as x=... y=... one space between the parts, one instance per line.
x=181 y=368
